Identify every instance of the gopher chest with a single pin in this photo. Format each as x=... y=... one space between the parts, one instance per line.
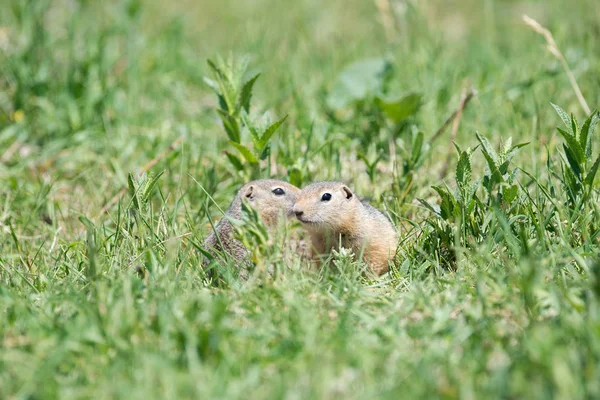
x=324 y=242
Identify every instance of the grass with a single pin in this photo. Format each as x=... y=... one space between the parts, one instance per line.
x=496 y=290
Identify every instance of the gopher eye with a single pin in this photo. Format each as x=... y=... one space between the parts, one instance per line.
x=278 y=192
x=326 y=197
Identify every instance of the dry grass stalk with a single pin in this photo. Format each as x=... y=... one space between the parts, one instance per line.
x=555 y=51
x=387 y=19
x=463 y=104
x=464 y=99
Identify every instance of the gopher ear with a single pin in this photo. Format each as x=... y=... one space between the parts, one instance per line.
x=248 y=193
x=348 y=192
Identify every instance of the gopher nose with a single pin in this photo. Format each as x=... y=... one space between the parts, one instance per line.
x=298 y=212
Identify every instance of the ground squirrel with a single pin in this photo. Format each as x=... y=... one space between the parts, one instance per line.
x=271 y=198
x=334 y=217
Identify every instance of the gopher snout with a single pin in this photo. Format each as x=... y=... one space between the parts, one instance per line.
x=298 y=211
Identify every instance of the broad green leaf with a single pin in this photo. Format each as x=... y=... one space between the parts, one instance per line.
x=574 y=127
x=509 y=193
x=225 y=87
x=222 y=103
x=149 y=185
x=448 y=206
x=589 y=179
x=503 y=168
x=231 y=126
x=245 y=152
x=563 y=116
x=574 y=146
x=246 y=93
x=419 y=149
x=507 y=147
x=133 y=192
x=398 y=110
x=495 y=174
x=463 y=171
x=457 y=147
x=254 y=135
x=489 y=151
x=235 y=161
x=239 y=66
x=470 y=194
x=357 y=81
x=265 y=152
x=236 y=68
x=492 y=160
x=295 y=176
x=573 y=184
x=575 y=168
x=587 y=131
x=268 y=133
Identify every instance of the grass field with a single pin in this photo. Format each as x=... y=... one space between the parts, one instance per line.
x=496 y=288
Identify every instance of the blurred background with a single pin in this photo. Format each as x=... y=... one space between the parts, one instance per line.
x=91 y=91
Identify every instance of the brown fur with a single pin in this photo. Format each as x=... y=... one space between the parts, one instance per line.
x=270 y=206
x=345 y=221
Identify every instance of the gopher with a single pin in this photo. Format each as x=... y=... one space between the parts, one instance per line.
x=271 y=198
x=334 y=217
